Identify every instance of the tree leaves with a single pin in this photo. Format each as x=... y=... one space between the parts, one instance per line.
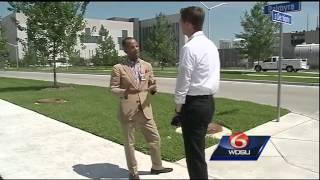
x=259 y=33
x=52 y=26
x=4 y=53
x=106 y=53
x=161 y=43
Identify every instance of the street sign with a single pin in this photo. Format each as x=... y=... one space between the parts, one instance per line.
x=281 y=17
x=276 y=11
x=283 y=7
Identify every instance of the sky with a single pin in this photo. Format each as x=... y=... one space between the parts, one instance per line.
x=225 y=19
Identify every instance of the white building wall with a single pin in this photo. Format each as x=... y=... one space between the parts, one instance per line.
x=115 y=30
x=22 y=19
x=114 y=27
x=10 y=31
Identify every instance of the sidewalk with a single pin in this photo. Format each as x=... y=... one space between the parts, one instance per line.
x=291 y=153
x=34 y=146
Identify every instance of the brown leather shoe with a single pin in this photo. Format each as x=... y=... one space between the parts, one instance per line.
x=133 y=176
x=164 y=170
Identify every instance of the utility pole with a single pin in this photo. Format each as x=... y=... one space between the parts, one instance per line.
x=209 y=8
x=307 y=21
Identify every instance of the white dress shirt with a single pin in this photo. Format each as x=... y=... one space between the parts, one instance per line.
x=199 y=68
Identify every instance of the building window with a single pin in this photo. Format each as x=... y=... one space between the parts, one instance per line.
x=120 y=43
x=297 y=38
x=90 y=39
x=124 y=33
x=93 y=39
x=87 y=31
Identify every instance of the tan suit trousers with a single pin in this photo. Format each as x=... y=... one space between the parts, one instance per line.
x=149 y=130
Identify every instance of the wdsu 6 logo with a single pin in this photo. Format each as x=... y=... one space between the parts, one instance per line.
x=239 y=146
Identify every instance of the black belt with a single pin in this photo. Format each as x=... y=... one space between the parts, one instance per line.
x=199 y=97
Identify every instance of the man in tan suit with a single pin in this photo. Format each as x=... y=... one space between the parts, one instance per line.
x=133 y=81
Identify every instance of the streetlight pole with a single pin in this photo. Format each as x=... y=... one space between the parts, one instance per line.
x=17 y=57
x=209 y=8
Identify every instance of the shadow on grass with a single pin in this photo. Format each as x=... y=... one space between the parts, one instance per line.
x=228 y=112
x=26 y=88
x=103 y=170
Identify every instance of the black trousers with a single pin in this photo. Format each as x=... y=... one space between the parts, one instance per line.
x=197 y=113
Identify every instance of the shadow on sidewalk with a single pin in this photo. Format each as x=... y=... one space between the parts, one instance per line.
x=103 y=170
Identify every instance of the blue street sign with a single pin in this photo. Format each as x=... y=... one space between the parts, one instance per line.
x=281 y=17
x=283 y=7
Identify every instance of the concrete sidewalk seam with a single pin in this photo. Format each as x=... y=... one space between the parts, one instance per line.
x=294 y=139
x=291 y=126
x=308 y=115
x=285 y=159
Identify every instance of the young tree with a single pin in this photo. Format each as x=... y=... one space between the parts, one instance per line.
x=30 y=58
x=52 y=26
x=259 y=34
x=106 y=53
x=160 y=44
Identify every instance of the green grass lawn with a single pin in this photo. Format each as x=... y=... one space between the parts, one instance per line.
x=94 y=109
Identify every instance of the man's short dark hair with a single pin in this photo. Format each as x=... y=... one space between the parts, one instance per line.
x=125 y=41
x=194 y=15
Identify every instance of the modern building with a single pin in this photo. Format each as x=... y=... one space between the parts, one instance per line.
x=300 y=39
x=228 y=44
x=292 y=39
x=180 y=38
x=142 y=30
x=304 y=44
x=225 y=44
x=12 y=33
x=117 y=29
x=135 y=21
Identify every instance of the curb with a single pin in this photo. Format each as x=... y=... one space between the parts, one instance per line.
x=272 y=82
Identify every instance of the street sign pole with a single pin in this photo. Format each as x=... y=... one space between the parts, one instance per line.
x=279 y=74
x=280 y=18
x=277 y=15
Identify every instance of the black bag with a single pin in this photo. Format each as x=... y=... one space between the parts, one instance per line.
x=176 y=120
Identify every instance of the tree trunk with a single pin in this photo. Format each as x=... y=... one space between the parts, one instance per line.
x=251 y=63
x=162 y=64
x=55 y=85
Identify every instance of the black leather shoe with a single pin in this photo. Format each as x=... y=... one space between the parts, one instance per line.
x=133 y=176
x=164 y=170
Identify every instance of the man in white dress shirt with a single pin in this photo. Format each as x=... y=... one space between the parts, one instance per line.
x=197 y=82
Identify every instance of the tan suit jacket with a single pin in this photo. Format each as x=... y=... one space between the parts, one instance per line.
x=122 y=78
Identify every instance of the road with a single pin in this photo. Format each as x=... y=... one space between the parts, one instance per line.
x=299 y=99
